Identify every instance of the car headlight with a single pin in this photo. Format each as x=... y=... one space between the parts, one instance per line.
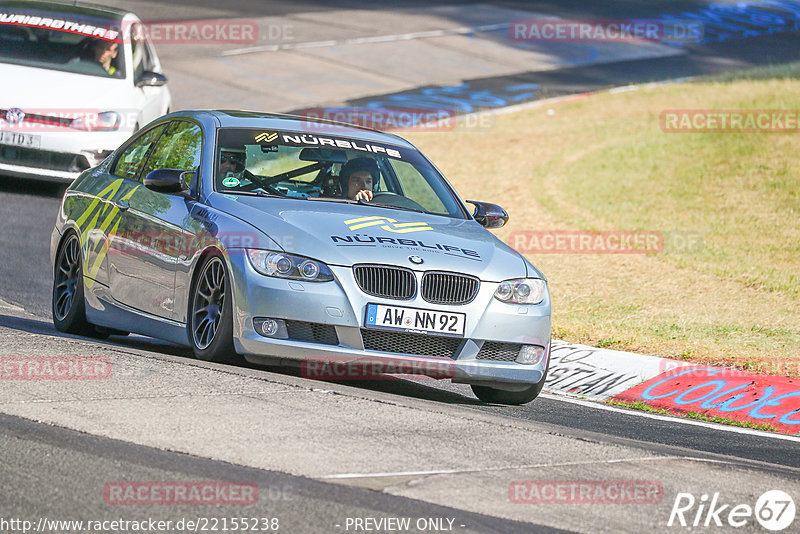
x=522 y=291
x=100 y=122
x=282 y=265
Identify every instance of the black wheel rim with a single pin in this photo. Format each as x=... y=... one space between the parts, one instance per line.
x=209 y=300
x=68 y=272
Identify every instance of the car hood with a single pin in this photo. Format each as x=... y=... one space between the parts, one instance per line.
x=346 y=234
x=43 y=89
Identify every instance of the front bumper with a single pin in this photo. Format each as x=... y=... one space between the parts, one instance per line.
x=61 y=156
x=341 y=305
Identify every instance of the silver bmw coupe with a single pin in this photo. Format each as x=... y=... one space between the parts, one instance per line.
x=263 y=236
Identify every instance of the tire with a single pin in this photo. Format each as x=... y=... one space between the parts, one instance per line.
x=67 y=302
x=514 y=398
x=210 y=324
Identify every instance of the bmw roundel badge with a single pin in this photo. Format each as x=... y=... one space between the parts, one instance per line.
x=416 y=260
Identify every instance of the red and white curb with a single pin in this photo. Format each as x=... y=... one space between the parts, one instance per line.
x=676 y=386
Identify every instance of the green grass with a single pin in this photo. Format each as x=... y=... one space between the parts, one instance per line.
x=639 y=405
x=726 y=288
x=766 y=427
x=769 y=72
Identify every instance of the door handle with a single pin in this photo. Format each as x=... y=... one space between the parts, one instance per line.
x=122 y=205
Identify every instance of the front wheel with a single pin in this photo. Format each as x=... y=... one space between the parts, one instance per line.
x=68 y=307
x=515 y=398
x=211 y=314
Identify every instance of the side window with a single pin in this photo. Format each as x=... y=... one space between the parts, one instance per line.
x=132 y=158
x=178 y=148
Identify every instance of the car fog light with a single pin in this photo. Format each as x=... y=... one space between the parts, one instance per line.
x=531 y=354
x=271 y=327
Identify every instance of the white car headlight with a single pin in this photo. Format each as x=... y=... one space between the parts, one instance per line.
x=522 y=291
x=283 y=265
x=100 y=122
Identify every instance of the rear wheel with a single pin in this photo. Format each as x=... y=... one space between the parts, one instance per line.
x=211 y=314
x=500 y=396
x=69 y=311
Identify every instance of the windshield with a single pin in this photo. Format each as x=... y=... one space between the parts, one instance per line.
x=329 y=168
x=64 y=42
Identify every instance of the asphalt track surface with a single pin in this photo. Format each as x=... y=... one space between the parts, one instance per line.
x=307 y=505
x=49 y=467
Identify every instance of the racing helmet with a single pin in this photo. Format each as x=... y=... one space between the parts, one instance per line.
x=236 y=155
x=356 y=165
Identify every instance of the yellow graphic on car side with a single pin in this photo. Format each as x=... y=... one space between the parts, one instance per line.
x=386 y=223
x=111 y=217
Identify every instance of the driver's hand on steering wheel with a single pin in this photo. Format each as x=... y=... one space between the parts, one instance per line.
x=364 y=194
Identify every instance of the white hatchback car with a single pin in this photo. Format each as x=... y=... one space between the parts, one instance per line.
x=78 y=80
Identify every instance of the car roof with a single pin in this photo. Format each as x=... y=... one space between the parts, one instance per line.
x=73 y=8
x=279 y=121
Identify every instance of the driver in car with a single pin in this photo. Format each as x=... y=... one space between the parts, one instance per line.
x=104 y=52
x=359 y=178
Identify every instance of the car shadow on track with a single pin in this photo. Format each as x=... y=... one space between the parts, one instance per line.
x=383 y=383
x=9 y=184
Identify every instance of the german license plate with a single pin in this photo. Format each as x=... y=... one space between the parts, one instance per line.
x=20 y=139
x=415 y=320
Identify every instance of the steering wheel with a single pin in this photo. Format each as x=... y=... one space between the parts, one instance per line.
x=393 y=199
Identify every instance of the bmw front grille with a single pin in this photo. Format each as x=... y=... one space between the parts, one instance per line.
x=449 y=288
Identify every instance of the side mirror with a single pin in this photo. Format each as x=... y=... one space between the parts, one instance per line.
x=168 y=180
x=151 y=79
x=489 y=215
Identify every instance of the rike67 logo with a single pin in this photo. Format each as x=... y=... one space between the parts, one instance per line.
x=774 y=510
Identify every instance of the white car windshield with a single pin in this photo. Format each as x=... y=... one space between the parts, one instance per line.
x=330 y=168
x=64 y=42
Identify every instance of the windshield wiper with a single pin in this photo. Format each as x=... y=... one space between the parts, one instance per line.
x=366 y=203
x=392 y=206
x=251 y=193
x=334 y=199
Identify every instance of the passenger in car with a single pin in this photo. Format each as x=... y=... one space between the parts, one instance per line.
x=231 y=160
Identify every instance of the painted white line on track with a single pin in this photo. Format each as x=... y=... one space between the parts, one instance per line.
x=672 y=418
x=13 y=307
x=517 y=467
x=369 y=40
